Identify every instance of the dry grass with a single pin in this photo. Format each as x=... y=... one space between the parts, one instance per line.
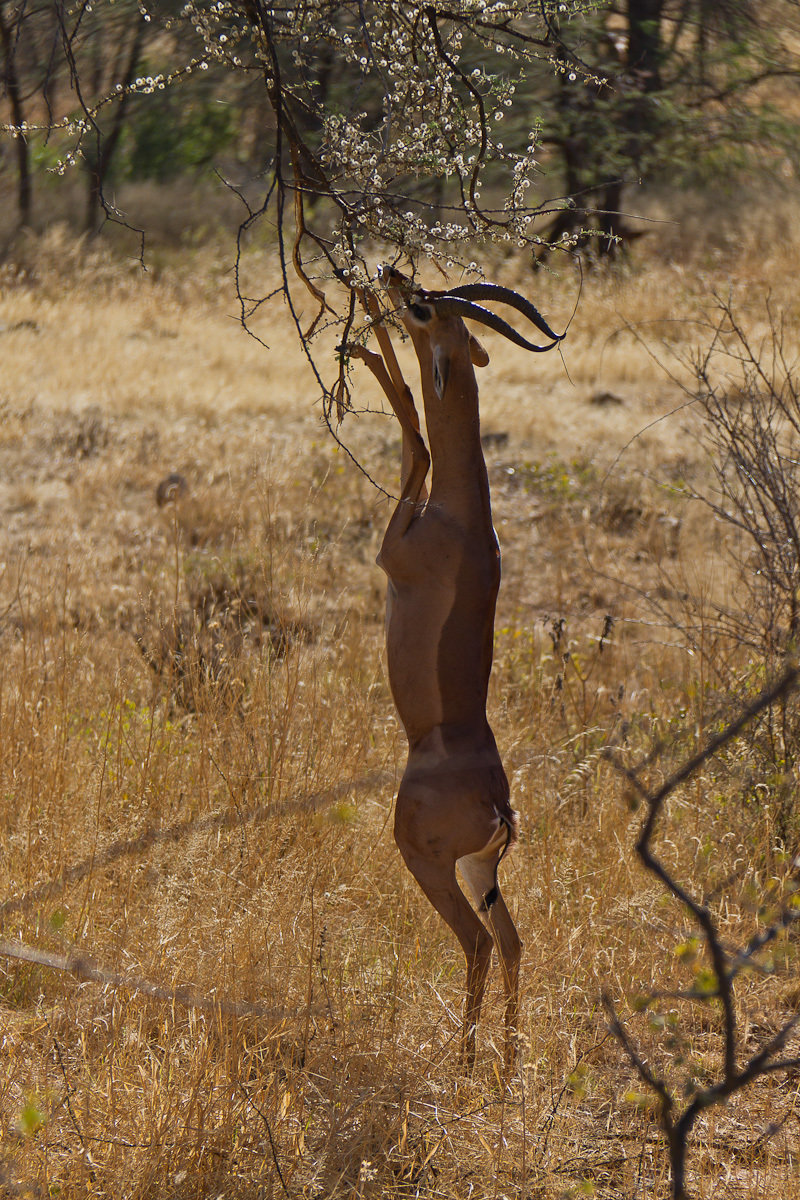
x=198 y=753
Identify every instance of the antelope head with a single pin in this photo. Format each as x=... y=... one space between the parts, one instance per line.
x=461 y=301
x=423 y=311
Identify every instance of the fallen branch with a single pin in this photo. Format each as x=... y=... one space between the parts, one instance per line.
x=84 y=968
x=229 y=819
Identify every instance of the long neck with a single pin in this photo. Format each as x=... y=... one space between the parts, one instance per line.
x=454 y=435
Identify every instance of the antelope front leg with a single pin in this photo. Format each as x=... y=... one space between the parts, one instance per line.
x=386 y=369
x=416 y=460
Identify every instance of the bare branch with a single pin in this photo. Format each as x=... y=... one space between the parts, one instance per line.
x=726 y=967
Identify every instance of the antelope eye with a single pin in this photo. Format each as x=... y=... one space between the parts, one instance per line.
x=420 y=312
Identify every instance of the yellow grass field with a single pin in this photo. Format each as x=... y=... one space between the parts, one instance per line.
x=232 y=987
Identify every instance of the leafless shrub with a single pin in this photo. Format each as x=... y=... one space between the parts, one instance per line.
x=749 y=396
x=199 y=646
x=83 y=434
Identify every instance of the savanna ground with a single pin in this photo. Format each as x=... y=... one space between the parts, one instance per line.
x=198 y=753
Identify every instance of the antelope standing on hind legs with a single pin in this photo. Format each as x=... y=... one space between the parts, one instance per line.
x=442 y=560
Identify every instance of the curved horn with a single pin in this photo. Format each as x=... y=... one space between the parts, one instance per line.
x=461 y=307
x=504 y=295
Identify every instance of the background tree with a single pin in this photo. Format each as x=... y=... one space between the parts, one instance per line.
x=27 y=71
x=605 y=95
x=13 y=91
x=661 y=91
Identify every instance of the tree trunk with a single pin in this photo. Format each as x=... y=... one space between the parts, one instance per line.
x=593 y=183
x=99 y=164
x=644 y=43
x=22 y=150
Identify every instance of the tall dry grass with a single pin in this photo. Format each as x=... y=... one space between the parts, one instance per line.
x=198 y=753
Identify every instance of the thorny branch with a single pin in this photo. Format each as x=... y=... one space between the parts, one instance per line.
x=733 y=1077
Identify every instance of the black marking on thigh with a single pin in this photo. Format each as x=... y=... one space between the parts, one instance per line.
x=489 y=899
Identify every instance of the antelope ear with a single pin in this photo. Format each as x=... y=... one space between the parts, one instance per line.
x=477 y=353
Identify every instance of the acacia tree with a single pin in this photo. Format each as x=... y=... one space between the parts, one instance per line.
x=612 y=91
x=116 y=52
x=388 y=129
x=387 y=120
x=412 y=155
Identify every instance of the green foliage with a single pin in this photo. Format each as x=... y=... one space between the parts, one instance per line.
x=31 y=1118
x=553 y=478
x=167 y=137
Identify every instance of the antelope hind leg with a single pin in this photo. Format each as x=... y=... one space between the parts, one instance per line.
x=480 y=875
x=438 y=882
